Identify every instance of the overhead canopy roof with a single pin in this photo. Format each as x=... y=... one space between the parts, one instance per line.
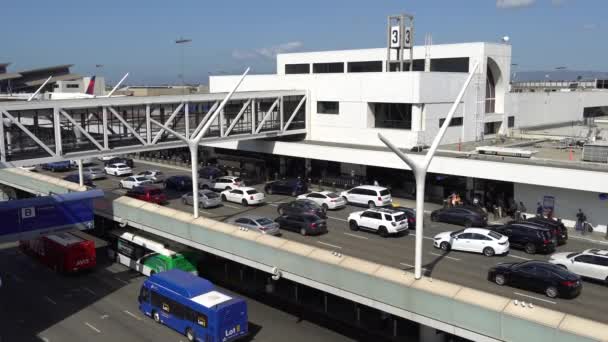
x=64 y=66
x=9 y=76
x=38 y=82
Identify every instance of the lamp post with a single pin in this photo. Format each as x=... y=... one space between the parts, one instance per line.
x=181 y=42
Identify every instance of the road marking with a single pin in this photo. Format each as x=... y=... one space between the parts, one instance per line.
x=89 y=291
x=273 y=205
x=50 y=300
x=445 y=256
x=92 y=327
x=337 y=218
x=132 y=315
x=122 y=281
x=408 y=265
x=104 y=316
x=541 y=299
x=424 y=237
x=231 y=206
x=588 y=239
x=329 y=244
x=518 y=257
x=357 y=236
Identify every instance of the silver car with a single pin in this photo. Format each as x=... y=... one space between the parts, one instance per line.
x=155 y=176
x=94 y=173
x=206 y=199
x=258 y=223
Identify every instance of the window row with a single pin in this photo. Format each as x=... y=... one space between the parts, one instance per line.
x=177 y=310
x=458 y=64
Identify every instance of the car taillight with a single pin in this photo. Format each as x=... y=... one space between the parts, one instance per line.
x=333 y=201
x=569 y=283
x=379 y=198
x=410 y=219
x=251 y=198
x=546 y=242
x=237 y=183
x=263 y=228
x=313 y=225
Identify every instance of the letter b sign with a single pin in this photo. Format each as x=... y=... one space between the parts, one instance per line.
x=28 y=212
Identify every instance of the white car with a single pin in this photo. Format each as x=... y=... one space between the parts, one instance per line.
x=226 y=183
x=385 y=221
x=118 y=169
x=326 y=199
x=478 y=240
x=369 y=195
x=155 y=176
x=28 y=167
x=245 y=196
x=133 y=181
x=591 y=263
x=106 y=158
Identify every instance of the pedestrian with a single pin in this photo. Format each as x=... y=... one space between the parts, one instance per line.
x=376 y=183
x=539 y=209
x=580 y=221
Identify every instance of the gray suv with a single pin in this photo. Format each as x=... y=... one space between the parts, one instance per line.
x=206 y=199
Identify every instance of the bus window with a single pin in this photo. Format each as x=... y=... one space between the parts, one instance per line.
x=144 y=295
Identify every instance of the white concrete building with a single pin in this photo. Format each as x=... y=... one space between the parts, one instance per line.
x=80 y=86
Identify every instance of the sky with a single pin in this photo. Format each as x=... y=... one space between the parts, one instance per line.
x=139 y=36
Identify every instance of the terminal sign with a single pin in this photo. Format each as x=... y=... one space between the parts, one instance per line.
x=395 y=37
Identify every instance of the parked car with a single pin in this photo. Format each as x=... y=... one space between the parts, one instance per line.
x=537 y=276
x=411 y=215
x=245 y=196
x=85 y=161
x=57 y=166
x=369 y=195
x=468 y=216
x=155 y=176
x=210 y=172
x=106 y=158
x=293 y=187
x=178 y=183
x=529 y=237
x=28 y=167
x=557 y=227
x=75 y=179
x=305 y=224
x=94 y=172
x=133 y=181
x=477 y=240
x=301 y=206
x=206 y=199
x=590 y=263
x=385 y=221
x=148 y=193
x=326 y=199
x=227 y=183
x=118 y=169
x=258 y=223
x=121 y=160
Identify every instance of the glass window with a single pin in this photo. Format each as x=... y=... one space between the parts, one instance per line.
x=252 y=192
x=453 y=123
x=297 y=68
x=324 y=68
x=465 y=236
x=376 y=216
x=264 y=221
x=370 y=66
x=391 y=115
x=388 y=217
x=328 y=107
x=587 y=259
x=510 y=121
x=384 y=192
x=495 y=235
x=601 y=261
x=241 y=220
x=238 y=192
x=332 y=195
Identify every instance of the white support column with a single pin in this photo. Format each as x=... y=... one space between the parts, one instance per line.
x=106 y=142
x=221 y=121
x=80 y=173
x=281 y=114
x=148 y=125
x=187 y=119
x=57 y=129
x=253 y=115
x=2 y=145
x=194 y=160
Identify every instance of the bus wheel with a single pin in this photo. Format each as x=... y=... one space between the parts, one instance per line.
x=156 y=317
x=190 y=335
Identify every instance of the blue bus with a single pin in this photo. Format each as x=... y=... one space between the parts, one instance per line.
x=192 y=306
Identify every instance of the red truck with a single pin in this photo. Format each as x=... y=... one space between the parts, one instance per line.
x=63 y=252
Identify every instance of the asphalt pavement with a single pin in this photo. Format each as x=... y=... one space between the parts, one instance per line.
x=462 y=268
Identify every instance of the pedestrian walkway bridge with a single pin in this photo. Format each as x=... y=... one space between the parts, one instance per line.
x=44 y=131
x=459 y=310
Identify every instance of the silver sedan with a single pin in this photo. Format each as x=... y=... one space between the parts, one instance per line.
x=258 y=223
x=155 y=176
x=93 y=173
x=206 y=199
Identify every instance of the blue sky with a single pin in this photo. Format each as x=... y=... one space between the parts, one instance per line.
x=138 y=36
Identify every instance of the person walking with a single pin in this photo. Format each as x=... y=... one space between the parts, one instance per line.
x=539 y=209
x=580 y=221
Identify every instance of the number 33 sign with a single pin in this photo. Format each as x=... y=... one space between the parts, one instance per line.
x=396 y=37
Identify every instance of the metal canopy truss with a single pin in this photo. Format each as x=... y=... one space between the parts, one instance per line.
x=45 y=131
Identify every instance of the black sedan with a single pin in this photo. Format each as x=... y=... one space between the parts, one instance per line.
x=293 y=187
x=302 y=206
x=467 y=216
x=178 y=183
x=74 y=179
x=305 y=224
x=537 y=276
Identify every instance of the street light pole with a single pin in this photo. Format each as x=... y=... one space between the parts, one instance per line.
x=181 y=42
x=420 y=169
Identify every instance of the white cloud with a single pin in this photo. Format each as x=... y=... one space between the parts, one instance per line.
x=267 y=52
x=514 y=3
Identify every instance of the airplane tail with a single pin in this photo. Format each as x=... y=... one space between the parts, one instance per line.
x=91 y=87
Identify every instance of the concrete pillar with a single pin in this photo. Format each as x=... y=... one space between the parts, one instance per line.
x=428 y=334
x=417 y=120
x=308 y=167
x=282 y=166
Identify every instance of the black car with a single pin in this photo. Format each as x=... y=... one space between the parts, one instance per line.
x=210 y=172
x=557 y=227
x=537 y=276
x=293 y=187
x=467 y=216
x=120 y=160
x=529 y=237
x=86 y=180
x=410 y=213
x=302 y=206
x=179 y=183
x=305 y=224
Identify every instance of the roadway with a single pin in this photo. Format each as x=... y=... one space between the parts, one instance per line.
x=39 y=305
x=462 y=268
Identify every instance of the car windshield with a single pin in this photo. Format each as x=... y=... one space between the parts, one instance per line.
x=384 y=192
x=400 y=217
x=495 y=235
x=456 y=232
x=251 y=192
x=211 y=195
x=572 y=255
x=263 y=221
x=332 y=195
x=237 y=180
x=140 y=179
x=95 y=170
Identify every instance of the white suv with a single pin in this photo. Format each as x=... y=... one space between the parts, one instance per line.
x=591 y=263
x=227 y=183
x=382 y=220
x=372 y=196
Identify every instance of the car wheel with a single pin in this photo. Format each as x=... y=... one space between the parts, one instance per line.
x=468 y=223
x=551 y=292
x=383 y=232
x=190 y=335
x=353 y=225
x=156 y=317
x=434 y=217
x=325 y=207
x=445 y=246
x=530 y=248
x=371 y=204
x=224 y=198
x=244 y=203
x=500 y=279
x=488 y=251
x=303 y=231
